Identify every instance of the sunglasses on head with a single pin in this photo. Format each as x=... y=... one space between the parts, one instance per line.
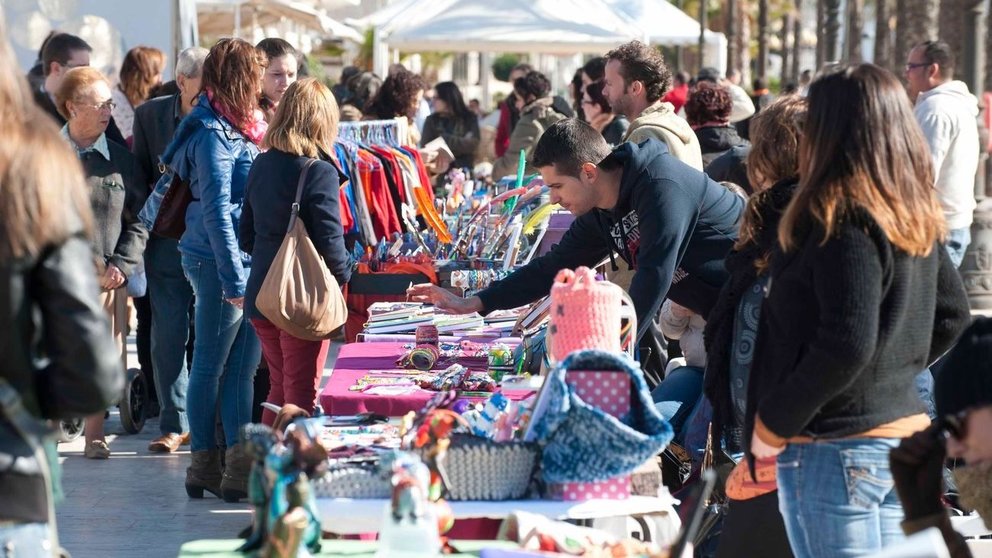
x=954 y=425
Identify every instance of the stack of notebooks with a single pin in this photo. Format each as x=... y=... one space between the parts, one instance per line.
x=398 y=317
x=450 y=322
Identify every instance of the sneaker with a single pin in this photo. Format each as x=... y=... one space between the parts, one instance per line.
x=97 y=449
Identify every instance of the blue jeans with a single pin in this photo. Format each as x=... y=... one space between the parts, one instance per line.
x=170 y=295
x=957 y=243
x=677 y=395
x=924 y=387
x=25 y=540
x=225 y=355
x=838 y=498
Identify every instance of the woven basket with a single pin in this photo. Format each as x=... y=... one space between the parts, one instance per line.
x=480 y=469
x=361 y=481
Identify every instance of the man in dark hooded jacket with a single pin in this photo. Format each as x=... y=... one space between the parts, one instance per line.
x=665 y=219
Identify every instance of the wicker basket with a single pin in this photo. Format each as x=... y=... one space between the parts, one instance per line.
x=480 y=469
x=361 y=481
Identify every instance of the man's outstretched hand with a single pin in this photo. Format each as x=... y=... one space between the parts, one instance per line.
x=444 y=300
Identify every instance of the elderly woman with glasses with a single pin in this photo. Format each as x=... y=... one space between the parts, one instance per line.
x=84 y=99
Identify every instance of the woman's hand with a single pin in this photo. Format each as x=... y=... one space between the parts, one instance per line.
x=238 y=302
x=112 y=278
x=444 y=300
x=761 y=450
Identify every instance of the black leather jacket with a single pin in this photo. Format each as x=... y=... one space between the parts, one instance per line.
x=56 y=351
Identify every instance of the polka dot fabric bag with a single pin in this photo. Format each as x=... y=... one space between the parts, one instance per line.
x=585 y=443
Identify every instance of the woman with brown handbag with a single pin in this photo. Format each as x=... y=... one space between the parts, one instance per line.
x=299 y=140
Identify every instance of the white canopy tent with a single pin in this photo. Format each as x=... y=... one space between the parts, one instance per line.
x=562 y=27
x=665 y=24
x=233 y=17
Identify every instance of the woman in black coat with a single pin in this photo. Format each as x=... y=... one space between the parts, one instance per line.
x=303 y=128
x=753 y=526
x=49 y=305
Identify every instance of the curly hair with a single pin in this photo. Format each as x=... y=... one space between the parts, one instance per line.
x=232 y=72
x=140 y=72
x=534 y=84
x=640 y=62
x=775 y=135
x=708 y=103
x=396 y=95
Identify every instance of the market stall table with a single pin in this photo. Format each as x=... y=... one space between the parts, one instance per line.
x=329 y=548
x=353 y=362
x=346 y=516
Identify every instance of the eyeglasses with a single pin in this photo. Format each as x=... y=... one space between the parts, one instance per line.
x=106 y=105
x=911 y=65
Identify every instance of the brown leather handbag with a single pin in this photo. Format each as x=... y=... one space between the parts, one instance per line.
x=299 y=294
x=171 y=219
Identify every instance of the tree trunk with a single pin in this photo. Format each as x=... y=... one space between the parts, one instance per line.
x=831 y=31
x=762 y=65
x=951 y=24
x=883 y=34
x=821 y=6
x=797 y=39
x=732 y=25
x=786 y=50
x=703 y=25
x=744 y=39
x=855 y=29
x=917 y=22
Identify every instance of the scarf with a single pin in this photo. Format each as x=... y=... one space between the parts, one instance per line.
x=719 y=333
x=254 y=130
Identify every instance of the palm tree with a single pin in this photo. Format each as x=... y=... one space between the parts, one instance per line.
x=797 y=37
x=786 y=41
x=762 y=65
x=855 y=29
x=883 y=34
x=916 y=21
x=732 y=24
x=831 y=30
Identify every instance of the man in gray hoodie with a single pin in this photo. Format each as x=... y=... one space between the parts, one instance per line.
x=636 y=79
x=947 y=113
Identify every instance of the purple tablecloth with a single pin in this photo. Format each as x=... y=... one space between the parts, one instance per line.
x=354 y=361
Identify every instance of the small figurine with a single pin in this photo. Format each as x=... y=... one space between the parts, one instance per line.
x=258 y=440
x=292 y=511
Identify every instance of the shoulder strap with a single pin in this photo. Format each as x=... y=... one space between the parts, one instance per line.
x=295 y=212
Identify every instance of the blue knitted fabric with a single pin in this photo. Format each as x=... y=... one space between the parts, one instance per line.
x=581 y=443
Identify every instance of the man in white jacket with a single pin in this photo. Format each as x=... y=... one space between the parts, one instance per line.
x=947 y=113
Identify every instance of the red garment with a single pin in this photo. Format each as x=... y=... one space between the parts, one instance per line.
x=503 y=130
x=295 y=367
x=347 y=212
x=677 y=96
x=385 y=221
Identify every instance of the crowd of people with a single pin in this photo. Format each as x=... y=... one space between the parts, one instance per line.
x=803 y=250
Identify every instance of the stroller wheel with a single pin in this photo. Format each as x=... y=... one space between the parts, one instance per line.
x=69 y=430
x=134 y=401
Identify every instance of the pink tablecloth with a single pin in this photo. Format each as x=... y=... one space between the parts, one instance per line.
x=354 y=361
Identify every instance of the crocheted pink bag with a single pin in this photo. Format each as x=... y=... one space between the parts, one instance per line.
x=585 y=313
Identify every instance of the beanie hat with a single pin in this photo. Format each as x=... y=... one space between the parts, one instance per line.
x=965 y=377
x=709 y=74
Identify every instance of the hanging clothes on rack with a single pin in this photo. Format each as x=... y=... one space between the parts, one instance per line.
x=382 y=176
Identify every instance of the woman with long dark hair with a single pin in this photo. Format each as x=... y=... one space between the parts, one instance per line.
x=49 y=305
x=213 y=149
x=454 y=122
x=861 y=297
x=754 y=526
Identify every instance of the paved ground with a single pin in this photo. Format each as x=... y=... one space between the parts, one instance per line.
x=134 y=504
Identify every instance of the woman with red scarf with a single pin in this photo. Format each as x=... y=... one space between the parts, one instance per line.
x=213 y=149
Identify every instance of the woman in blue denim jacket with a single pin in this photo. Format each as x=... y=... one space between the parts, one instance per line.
x=213 y=149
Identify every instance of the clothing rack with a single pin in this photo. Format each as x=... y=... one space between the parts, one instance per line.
x=394 y=131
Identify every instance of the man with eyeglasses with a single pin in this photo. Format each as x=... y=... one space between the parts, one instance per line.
x=947 y=113
x=62 y=53
x=963 y=431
